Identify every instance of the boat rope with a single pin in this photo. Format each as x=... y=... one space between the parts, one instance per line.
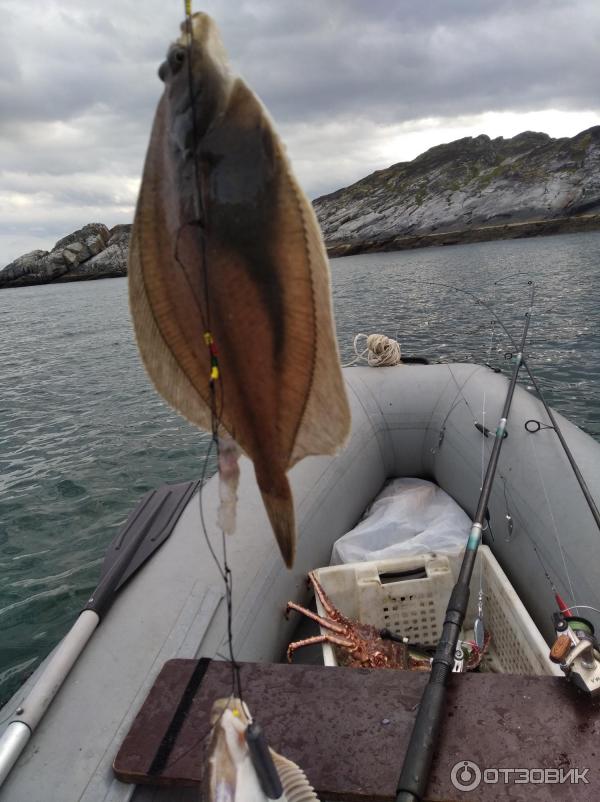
x=380 y=351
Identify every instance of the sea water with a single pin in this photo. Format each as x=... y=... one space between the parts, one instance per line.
x=83 y=434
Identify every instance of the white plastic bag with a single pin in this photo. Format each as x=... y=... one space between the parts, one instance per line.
x=408 y=517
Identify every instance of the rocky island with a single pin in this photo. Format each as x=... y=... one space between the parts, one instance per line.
x=470 y=190
x=93 y=251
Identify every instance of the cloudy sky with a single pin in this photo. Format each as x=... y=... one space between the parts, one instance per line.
x=353 y=86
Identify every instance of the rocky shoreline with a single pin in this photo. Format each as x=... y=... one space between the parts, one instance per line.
x=533 y=228
x=79 y=257
x=475 y=189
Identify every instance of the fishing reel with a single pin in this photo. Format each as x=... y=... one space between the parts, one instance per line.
x=577 y=652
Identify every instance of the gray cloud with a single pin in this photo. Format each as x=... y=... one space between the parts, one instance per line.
x=78 y=86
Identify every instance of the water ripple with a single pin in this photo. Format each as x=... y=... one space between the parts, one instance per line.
x=83 y=434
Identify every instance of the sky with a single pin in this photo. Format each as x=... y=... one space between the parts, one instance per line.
x=352 y=85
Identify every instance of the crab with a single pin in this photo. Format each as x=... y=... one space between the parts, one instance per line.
x=357 y=645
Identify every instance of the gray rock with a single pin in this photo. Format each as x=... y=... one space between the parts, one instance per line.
x=75 y=253
x=82 y=234
x=64 y=260
x=120 y=233
x=95 y=243
x=110 y=263
x=37 y=267
x=21 y=266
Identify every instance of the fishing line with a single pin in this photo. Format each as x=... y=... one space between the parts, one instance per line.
x=514 y=508
x=511 y=339
x=460 y=392
x=455 y=402
x=201 y=740
x=482 y=443
x=198 y=195
x=582 y=483
x=215 y=373
x=201 y=508
x=492 y=335
x=554 y=526
x=480 y=302
x=493 y=327
x=582 y=607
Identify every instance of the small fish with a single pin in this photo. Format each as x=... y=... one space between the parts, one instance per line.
x=231 y=776
x=225 y=242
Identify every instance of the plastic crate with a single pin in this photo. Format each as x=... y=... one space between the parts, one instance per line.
x=409 y=596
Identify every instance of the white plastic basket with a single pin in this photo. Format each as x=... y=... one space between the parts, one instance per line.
x=409 y=596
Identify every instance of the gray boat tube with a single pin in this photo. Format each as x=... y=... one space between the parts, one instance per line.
x=406 y=421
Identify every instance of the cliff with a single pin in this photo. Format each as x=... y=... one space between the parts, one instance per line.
x=472 y=189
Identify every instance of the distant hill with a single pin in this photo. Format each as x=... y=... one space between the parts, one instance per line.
x=473 y=189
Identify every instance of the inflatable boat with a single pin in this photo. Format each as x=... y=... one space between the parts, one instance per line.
x=425 y=421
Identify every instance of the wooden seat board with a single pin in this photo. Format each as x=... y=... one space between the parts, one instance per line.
x=348 y=729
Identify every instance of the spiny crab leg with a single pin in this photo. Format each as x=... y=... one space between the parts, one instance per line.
x=335 y=641
x=323 y=598
x=324 y=622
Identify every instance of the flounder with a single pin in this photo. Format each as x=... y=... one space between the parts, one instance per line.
x=226 y=248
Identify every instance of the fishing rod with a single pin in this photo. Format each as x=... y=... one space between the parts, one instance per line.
x=568 y=453
x=417 y=761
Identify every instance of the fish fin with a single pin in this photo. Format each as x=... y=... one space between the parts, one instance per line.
x=325 y=422
x=278 y=500
x=161 y=365
x=296 y=786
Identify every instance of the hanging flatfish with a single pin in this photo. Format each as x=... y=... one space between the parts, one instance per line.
x=225 y=242
x=231 y=775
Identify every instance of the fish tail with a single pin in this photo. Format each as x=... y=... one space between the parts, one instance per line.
x=277 y=497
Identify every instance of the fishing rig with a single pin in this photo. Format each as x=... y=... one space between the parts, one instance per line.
x=419 y=755
x=234 y=717
x=575 y=649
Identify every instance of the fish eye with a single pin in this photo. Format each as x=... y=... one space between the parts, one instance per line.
x=176 y=57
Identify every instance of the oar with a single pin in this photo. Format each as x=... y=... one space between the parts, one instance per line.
x=417 y=761
x=148 y=526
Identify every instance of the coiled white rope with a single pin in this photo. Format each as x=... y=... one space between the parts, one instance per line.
x=380 y=351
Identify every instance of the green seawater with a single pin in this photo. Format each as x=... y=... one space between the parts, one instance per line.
x=83 y=434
